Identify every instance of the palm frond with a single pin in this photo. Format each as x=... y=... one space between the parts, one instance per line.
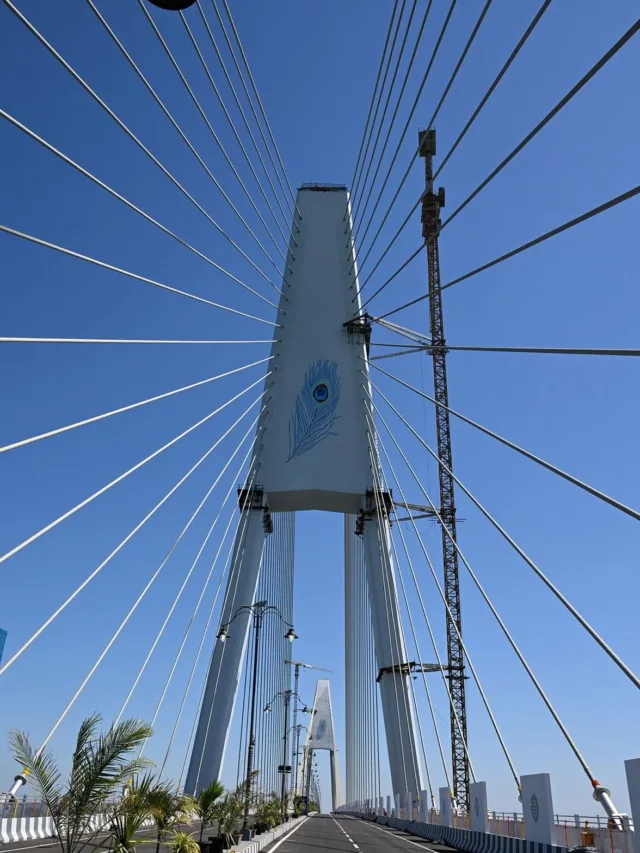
x=42 y=769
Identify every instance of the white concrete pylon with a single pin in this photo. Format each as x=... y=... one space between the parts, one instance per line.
x=321 y=735
x=315 y=456
x=224 y=670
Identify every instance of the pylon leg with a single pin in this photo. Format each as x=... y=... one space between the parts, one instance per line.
x=406 y=774
x=224 y=670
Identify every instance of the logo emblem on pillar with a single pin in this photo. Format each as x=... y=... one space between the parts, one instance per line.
x=535 y=808
x=315 y=411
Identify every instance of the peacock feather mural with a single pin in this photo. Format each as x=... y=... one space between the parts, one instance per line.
x=315 y=411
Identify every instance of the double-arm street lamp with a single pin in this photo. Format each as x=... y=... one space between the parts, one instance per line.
x=258 y=610
x=286 y=695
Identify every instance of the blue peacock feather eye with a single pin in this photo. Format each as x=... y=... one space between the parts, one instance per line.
x=315 y=409
x=321 y=393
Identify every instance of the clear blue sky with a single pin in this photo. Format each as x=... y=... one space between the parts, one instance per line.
x=315 y=64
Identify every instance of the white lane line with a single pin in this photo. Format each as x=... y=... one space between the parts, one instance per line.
x=345 y=832
x=400 y=837
x=288 y=835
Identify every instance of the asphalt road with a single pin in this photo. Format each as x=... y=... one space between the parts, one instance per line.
x=349 y=835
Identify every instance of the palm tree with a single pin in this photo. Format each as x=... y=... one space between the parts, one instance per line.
x=167 y=808
x=205 y=804
x=100 y=765
x=129 y=815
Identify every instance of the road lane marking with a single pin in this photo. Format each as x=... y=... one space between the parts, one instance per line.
x=400 y=837
x=345 y=832
x=288 y=835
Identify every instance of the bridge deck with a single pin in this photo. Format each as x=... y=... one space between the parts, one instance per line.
x=349 y=835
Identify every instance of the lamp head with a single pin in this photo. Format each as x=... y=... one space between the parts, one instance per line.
x=291 y=635
x=267 y=709
x=223 y=634
x=173 y=5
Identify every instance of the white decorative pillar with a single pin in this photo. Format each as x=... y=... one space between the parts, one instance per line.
x=632 y=767
x=424 y=806
x=445 y=807
x=537 y=808
x=396 y=804
x=478 y=810
x=388 y=805
x=408 y=805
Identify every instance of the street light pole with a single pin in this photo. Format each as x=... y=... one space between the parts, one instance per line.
x=285 y=751
x=286 y=695
x=257 y=610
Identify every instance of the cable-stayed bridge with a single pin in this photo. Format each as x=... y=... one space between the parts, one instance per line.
x=159 y=577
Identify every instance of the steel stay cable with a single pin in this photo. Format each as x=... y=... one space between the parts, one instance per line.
x=122 y=476
x=242 y=748
x=237 y=553
x=371 y=670
x=198 y=710
x=388 y=603
x=199 y=602
x=469 y=661
x=574 y=612
x=357 y=201
x=237 y=560
x=417 y=98
x=543 y=8
x=127 y=203
x=415 y=639
x=446 y=91
x=601 y=208
x=197 y=657
x=183 y=136
x=215 y=136
x=553 y=112
x=202 y=640
x=133 y=275
x=132 y=135
x=177 y=598
x=127 y=617
x=231 y=124
x=371 y=103
x=441 y=592
x=107 y=559
x=521 y=657
x=633 y=29
x=263 y=112
x=369 y=410
x=251 y=105
x=60 y=430
x=15 y=340
x=574 y=480
x=246 y=124
x=415 y=702
x=533 y=350
x=395 y=113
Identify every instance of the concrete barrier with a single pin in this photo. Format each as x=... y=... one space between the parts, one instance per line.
x=265 y=838
x=467 y=840
x=35 y=828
